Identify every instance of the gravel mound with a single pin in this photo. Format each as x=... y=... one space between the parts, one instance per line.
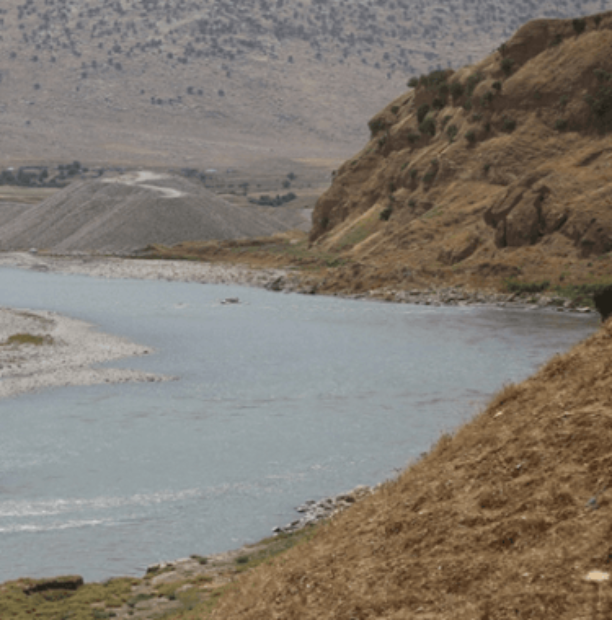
x=129 y=212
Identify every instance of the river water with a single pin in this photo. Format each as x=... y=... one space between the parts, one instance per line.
x=279 y=399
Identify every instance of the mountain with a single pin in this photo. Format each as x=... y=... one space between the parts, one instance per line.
x=495 y=172
x=209 y=83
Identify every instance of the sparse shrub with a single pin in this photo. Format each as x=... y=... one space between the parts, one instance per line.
x=445 y=120
x=412 y=203
x=413 y=138
x=507 y=64
x=477 y=116
x=561 y=124
x=514 y=286
x=437 y=103
x=601 y=103
x=486 y=168
x=414 y=173
x=473 y=81
x=486 y=99
x=428 y=126
x=385 y=214
x=556 y=40
x=467 y=105
x=579 y=25
x=563 y=100
x=497 y=85
x=452 y=132
x=422 y=112
x=395 y=109
x=456 y=90
x=470 y=136
x=487 y=127
x=413 y=82
x=502 y=49
x=376 y=125
x=602 y=75
x=597 y=20
x=508 y=124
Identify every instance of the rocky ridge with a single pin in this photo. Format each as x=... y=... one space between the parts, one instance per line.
x=496 y=172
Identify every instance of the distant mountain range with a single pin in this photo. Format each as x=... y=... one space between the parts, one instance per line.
x=191 y=83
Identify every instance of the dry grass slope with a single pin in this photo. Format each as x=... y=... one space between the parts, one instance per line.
x=498 y=170
x=502 y=520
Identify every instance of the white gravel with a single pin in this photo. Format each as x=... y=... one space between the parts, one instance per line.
x=68 y=355
x=143 y=269
x=77 y=347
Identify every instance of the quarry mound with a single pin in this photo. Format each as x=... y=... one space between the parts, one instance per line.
x=128 y=212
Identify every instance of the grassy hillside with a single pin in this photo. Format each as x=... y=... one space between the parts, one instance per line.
x=209 y=83
x=503 y=519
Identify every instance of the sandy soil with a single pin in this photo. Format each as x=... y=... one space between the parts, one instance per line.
x=66 y=352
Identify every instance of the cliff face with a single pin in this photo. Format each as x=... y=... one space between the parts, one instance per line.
x=501 y=169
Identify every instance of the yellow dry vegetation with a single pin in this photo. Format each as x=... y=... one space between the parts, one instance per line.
x=503 y=519
x=515 y=183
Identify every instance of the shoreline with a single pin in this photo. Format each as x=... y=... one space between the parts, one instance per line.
x=272 y=279
x=41 y=350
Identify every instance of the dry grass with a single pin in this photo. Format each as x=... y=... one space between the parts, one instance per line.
x=502 y=520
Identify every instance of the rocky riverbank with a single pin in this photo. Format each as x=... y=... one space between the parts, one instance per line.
x=279 y=280
x=315 y=511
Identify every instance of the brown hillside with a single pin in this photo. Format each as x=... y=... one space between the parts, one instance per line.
x=497 y=170
x=502 y=520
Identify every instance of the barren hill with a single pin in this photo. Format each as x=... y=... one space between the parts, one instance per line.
x=145 y=82
x=128 y=212
x=498 y=170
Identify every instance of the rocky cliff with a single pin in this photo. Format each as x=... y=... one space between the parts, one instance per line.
x=498 y=170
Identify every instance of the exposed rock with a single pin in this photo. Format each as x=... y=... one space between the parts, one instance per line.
x=603 y=302
x=70 y=582
x=315 y=511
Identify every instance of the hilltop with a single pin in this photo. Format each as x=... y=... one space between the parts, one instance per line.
x=495 y=176
x=499 y=170
x=212 y=83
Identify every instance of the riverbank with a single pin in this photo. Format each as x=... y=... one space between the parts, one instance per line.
x=43 y=349
x=289 y=280
x=172 y=588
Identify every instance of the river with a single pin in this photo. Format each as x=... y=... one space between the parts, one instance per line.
x=278 y=399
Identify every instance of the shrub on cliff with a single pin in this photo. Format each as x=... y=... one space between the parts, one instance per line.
x=506 y=65
x=579 y=25
x=428 y=126
x=376 y=125
x=422 y=112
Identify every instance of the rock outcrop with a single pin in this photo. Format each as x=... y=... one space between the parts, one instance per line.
x=508 y=160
